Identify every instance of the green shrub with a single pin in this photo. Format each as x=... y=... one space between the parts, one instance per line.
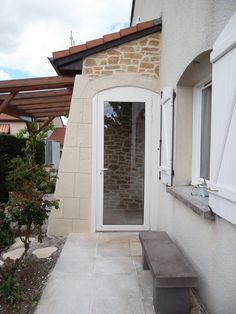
x=11 y=147
x=27 y=209
x=6 y=234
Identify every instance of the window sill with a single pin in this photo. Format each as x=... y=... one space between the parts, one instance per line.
x=197 y=204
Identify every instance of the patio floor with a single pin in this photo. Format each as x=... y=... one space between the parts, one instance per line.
x=99 y=273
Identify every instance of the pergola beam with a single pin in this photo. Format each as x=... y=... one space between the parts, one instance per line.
x=46 y=110
x=40 y=100
x=39 y=94
x=49 y=114
x=37 y=97
x=6 y=101
x=41 y=106
x=36 y=84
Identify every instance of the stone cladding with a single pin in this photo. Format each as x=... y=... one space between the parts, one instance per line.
x=140 y=56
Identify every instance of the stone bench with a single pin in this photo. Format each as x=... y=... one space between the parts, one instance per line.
x=172 y=274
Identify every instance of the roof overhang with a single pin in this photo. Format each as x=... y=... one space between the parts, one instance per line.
x=70 y=61
x=36 y=98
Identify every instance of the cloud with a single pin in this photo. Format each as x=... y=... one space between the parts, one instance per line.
x=32 y=30
x=4 y=75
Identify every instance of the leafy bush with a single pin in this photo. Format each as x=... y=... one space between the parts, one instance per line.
x=27 y=209
x=11 y=147
x=6 y=234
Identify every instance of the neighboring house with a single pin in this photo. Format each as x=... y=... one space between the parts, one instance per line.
x=10 y=125
x=152 y=112
x=54 y=143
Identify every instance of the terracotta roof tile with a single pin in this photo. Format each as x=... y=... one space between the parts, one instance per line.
x=58 y=135
x=61 y=53
x=128 y=30
x=106 y=38
x=145 y=25
x=78 y=48
x=112 y=36
x=94 y=42
x=6 y=117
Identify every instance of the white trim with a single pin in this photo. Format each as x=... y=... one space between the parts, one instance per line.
x=94 y=165
x=125 y=94
x=226 y=40
x=196 y=136
x=223 y=191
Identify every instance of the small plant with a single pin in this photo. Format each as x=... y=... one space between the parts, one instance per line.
x=11 y=291
x=6 y=235
x=27 y=209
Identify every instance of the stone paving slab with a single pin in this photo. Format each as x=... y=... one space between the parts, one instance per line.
x=99 y=273
x=45 y=252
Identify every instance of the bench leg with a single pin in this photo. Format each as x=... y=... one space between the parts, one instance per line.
x=145 y=264
x=171 y=300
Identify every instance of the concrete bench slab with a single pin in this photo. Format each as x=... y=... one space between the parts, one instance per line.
x=172 y=273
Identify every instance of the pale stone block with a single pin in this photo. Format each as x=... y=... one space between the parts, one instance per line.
x=58 y=213
x=70 y=162
x=60 y=227
x=71 y=137
x=87 y=112
x=82 y=185
x=71 y=208
x=80 y=225
x=85 y=166
x=76 y=110
x=81 y=84
x=85 y=153
x=65 y=185
x=84 y=208
x=84 y=135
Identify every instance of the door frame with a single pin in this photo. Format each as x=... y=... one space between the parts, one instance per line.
x=126 y=94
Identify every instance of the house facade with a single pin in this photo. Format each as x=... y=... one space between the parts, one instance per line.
x=152 y=115
x=10 y=125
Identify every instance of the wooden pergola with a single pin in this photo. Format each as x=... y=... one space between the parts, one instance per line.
x=38 y=99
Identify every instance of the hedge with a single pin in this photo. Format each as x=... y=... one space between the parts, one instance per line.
x=11 y=147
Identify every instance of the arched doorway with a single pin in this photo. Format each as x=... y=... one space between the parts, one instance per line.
x=125 y=130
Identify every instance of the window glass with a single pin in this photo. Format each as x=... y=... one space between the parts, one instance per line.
x=205 y=133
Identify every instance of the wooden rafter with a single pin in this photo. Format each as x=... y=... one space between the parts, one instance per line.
x=46 y=110
x=38 y=98
x=36 y=84
x=39 y=94
x=6 y=101
x=42 y=106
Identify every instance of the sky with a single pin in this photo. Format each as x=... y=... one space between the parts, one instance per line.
x=30 y=30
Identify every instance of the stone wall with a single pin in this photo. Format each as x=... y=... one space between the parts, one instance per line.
x=140 y=56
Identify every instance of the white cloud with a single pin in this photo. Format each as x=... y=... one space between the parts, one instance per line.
x=32 y=30
x=4 y=75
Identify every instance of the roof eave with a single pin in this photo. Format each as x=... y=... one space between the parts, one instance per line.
x=59 y=63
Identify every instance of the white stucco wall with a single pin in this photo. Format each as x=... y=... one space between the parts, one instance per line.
x=190 y=28
x=146 y=10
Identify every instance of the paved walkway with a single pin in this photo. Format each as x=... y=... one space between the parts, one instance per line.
x=99 y=273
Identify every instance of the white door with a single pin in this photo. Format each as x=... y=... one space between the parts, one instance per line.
x=123 y=133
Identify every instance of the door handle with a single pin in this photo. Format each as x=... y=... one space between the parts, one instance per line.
x=101 y=170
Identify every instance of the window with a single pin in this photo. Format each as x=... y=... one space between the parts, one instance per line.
x=201 y=131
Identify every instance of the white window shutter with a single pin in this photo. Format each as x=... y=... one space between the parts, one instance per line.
x=166 y=135
x=222 y=197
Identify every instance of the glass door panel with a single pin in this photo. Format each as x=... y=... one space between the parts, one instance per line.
x=124 y=163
